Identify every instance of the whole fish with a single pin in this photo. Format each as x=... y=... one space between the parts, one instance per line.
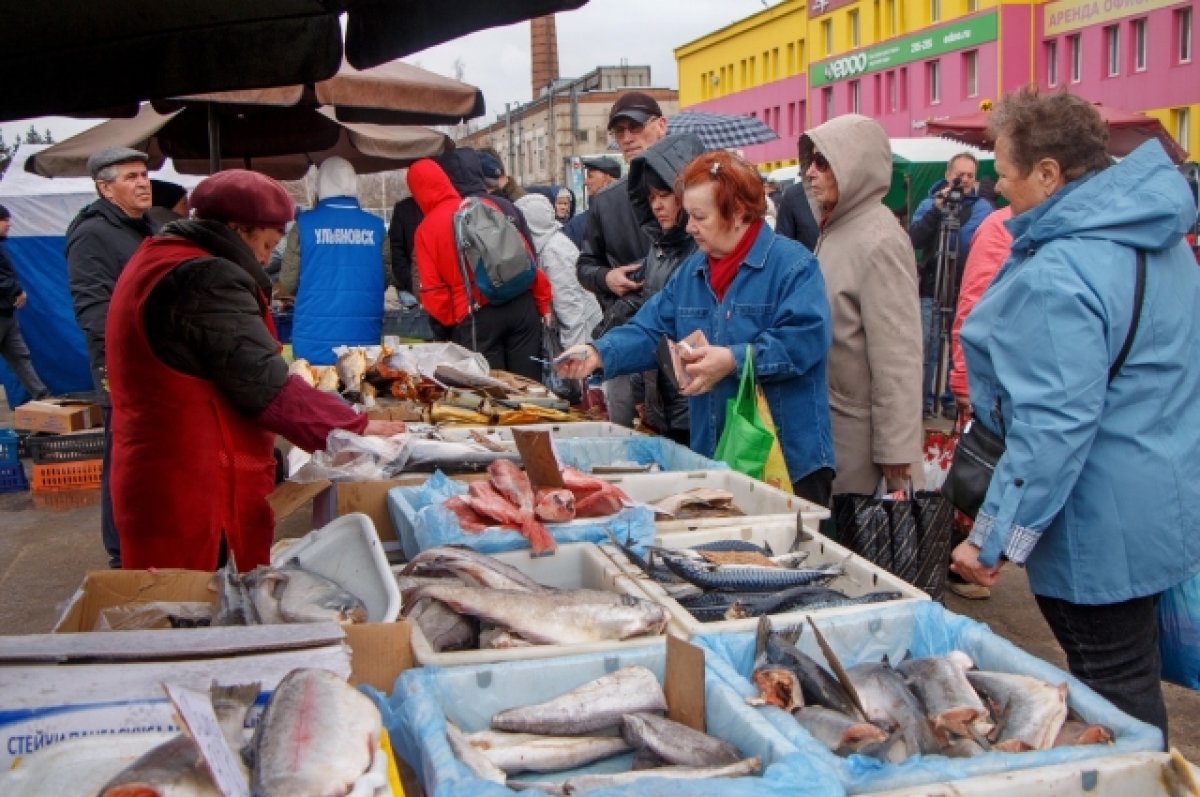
x=472 y=567
x=712 y=606
x=585 y=783
x=443 y=628
x=596 y=705
x=749 y=579
x=234 y=604
x=176 y=766
x=499 y=639
x=472 y=757
x=837 y=731
x=1078 y=732
x=317 y=736
x=888 y=703
x=602 y=503
x=530 y=752
x=676 y=743
x=302 y=596
x=468 y=519
x=732 y=546
x=1033 y=711
x=558 y=618
x=817 y=685
x=949 y=700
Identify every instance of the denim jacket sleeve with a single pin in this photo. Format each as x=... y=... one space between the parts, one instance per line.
x=1050 y=357
x=799 y=334
x=629 y=348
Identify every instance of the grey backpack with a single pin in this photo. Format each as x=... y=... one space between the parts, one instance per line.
x=493 y=254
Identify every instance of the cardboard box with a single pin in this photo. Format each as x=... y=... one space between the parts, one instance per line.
x=57 y=415
x=76 y=683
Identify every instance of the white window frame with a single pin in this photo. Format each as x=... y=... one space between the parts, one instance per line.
x=1112 y=48
x=855 y=35
x=1076 y=48
x=935 y=10
x=972 y=6
x=827 y=35
x=1051 y=50
x=933 y=81
x=971 y=71
x=1183 y=126
x=1183 y=45
x=1140 y=55
x=827 y=102
x=893 y=89
x=855 y=96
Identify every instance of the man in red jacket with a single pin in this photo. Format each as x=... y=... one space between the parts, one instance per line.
x=508 y=335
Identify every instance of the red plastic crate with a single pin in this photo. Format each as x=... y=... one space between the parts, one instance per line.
x=67 y=475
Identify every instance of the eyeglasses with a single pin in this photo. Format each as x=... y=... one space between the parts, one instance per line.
x=630 y=127
x=820 y=161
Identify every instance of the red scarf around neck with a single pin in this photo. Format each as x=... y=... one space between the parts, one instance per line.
x=721 y=272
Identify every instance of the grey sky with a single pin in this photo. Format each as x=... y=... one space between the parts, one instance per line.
x=602 y=33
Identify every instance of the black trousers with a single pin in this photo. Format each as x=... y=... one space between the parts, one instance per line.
x=508 y=335
x=1113 y=648
x=816 y=487
x=108 y=524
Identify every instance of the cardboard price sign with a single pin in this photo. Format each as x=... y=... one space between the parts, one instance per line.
x=537 y=455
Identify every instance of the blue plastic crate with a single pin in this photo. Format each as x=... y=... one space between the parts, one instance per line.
x=12 y=478
x=10 y=446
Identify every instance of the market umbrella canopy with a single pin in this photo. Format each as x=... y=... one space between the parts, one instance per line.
x=63 y=56
x=395 y=93
x=721 y=130
x=1126 y=131
x=280 y=142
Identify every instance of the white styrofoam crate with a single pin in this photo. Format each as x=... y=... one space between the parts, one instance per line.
x=1140 y=774
x=503 y=434
x=759 y=502
x=573 y=566
x=861 y=576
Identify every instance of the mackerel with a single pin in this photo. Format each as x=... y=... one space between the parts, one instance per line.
x=596 y=705
x=749 y=579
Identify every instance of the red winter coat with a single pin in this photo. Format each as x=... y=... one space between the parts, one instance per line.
x=442 y=293
x=989 y=250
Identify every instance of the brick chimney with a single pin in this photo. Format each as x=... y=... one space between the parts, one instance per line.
x=543 y=36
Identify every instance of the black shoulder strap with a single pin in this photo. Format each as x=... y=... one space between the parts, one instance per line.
x=1139 y=294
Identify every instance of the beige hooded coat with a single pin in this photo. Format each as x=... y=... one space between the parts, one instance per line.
x=871 y=279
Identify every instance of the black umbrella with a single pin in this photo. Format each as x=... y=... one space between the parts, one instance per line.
x=65 y=56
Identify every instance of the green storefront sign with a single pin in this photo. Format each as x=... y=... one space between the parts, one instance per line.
x=960 y=35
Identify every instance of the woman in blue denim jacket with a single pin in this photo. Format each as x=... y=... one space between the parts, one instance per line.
x=745 y=286
x=1096 y=493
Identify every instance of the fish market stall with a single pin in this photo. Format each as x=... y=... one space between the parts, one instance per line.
x=439 y=721
x=899 y=747
x=470 y=608
x=772 y=572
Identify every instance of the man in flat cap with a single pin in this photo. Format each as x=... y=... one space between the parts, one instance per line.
x=599 y=172
x=614 y=242
x=100 y=240
x=199 y=389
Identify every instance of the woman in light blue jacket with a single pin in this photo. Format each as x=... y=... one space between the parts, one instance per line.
x=1097 y=492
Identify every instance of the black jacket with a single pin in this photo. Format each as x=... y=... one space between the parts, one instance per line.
x=402 y=234
x=794 y=218
x=10 y=287
x=614 y=237
x=100 y=241
x=205 y=318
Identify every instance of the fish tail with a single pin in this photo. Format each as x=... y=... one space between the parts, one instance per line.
x=540 y=538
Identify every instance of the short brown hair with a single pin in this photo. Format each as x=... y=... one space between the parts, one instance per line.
x=1059 y=126
x=739 y=187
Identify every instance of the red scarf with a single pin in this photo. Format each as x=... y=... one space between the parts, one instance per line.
x=721 y=272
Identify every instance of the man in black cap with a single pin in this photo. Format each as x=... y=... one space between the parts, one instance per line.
x=100 y=241
x=614 y=242
x=12 y=298
x=599 y=172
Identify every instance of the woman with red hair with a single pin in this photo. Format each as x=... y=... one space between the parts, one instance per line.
x=746 y=289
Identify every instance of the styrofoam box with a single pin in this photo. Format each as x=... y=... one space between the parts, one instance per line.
x=348 y=552
x=503 y=434
x=861 y=576
x=1138 y=774
x=573 y=566
x=425 y=698
x=759 y=502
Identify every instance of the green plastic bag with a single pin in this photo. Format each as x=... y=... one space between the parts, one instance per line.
x=745 y=443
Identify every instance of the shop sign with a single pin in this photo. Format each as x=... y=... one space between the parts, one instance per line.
x=946 y=39
x=1066 y=15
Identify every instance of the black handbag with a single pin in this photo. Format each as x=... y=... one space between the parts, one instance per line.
x=979 y=448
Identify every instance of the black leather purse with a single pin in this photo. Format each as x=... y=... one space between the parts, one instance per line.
x=979 y=448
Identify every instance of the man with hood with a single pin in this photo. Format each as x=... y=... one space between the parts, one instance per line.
x=508 y=335
x=651 y=186
x=871 y=281
x=100 y=241
x=336 y=264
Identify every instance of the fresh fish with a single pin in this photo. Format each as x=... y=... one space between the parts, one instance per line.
x=513 y=483
x=581 y=484
x=963 y=748
x=1033 y=710
x=558 y=618
x=888 y=703
x=554 y=505
x=444 y=628
x=840 y=733
x=176 y=766
x=950 y=702
x=585 y=783
x=317 y=736
x=499 y=639
x=472 y=757
x=676 y=743
x=472 y=567
x=234 y=605
x=529 y=752
x=295 y=595
x=712 y=606
x=602 y=503
x=817 y=685
x=645 y=759
x=734 y=546
x=682 y=591
x=468 y=519
x=751 y=579
x=596 y=705
x=1077 y=732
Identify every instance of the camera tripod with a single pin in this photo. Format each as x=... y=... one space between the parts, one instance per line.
x=945 y=292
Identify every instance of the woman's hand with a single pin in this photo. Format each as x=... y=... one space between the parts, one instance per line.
x=384 y=428
x=578 y=362
x=706 y=365
x=963 y=405
x=896 y=474
x=964 y=560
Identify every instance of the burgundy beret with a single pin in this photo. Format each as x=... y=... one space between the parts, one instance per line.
x=245 y=197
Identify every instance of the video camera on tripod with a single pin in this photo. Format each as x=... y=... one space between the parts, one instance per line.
x=952 y=197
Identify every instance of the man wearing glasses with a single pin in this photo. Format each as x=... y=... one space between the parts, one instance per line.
x=871 y=280
x=614 y=242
